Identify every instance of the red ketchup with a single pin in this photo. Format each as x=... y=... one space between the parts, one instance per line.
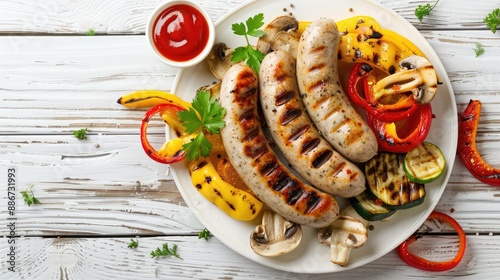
x=180 y=33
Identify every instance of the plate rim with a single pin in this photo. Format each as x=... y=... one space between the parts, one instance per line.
x=422 y=216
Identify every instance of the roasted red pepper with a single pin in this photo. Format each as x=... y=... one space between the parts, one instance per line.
x=165 y=156
x=360 y=92
x=404 y=135
x=467 y=129
x=425 y=264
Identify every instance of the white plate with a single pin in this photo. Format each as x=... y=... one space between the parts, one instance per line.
x=312 y=257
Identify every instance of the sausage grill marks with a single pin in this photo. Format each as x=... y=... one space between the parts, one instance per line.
x=295 y=134
x=323 y=96
x=260 y=168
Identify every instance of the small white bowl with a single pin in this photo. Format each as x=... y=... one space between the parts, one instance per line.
x=198 y=58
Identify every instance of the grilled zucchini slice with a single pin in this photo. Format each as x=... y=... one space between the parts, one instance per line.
x=368 y=208
x=425 y=163
x=387 y=181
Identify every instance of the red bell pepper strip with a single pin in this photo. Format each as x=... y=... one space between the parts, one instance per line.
x=467 y=130
x=166 y=108
x=414 y=130
x=429 y=265
x=360 y=92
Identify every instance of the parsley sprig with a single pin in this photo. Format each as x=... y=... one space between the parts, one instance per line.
x=205 y=115
x=251 y=56
x=204 y=234
x=424 y=10
x=479 y=49
x=29 y=197
x=133 y=243
x=81 y=133
x=492 y=20
x=165 y=251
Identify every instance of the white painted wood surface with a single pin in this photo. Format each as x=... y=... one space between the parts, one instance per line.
x=98 y=193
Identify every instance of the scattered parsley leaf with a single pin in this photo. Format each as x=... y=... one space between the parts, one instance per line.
x=164 y=251
x=29 y=197
x=204 y=234
x=247 y=53
x=133 y=243
x=424 y=10
x=479 y=49
x=91 y=32
x=81 y=134
x=492 y=20
x=206 y=114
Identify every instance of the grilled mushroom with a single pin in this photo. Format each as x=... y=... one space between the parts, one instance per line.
x=286 y=41
x=281 y=23
x=219 y=60
x=417 y=75
x=275 y=236
x=342 y=236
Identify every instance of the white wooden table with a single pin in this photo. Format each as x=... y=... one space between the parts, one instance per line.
x=98 y=193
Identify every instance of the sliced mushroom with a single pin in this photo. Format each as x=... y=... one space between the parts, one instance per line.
x=275 y=236
x=417 y=75
x=219 y=60
x=286 y=41
x=214 y=90
x=281 y=23
x=342 y=236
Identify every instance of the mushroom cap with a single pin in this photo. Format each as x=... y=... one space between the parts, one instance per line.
x=281 y=23
x=275 y=236
x=417 y=76
x=351 y=231
x=219 y=59
x=286 y=41
x=424 y=93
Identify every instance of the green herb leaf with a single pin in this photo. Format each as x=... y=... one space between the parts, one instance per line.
x=200 y=146
x=204 y=234
x=81 y=134
x=251 y=56
x=190 y=120
x=91 y=32
x=206 y=114
x=164 y=251
x=424 y=10
x=492 y=20
x=29 y=197
x=254 y=23
x=133 y=243
x=479 y=49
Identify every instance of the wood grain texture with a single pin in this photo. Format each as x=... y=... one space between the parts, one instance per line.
x=105 y=258
x=98 y=193
x=130 y=17
x=42 y=76
x=106 y=185
x=102 y=185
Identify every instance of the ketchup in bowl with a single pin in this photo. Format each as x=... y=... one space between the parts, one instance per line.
x=181 y=33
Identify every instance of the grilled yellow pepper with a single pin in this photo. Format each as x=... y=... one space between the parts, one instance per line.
x=150 y=98
x=364 y=40
x=237 y=203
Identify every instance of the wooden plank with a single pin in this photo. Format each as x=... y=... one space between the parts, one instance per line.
x=130 y=17
x=103 y=185
x=106 y=185
x=103 y=258
x=46 y=88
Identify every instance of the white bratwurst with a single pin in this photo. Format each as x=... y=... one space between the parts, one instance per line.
x=323 y=96
x=258 y=165
x=295 y=134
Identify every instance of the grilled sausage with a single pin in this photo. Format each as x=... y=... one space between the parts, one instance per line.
x=294 y=133
x=323 y=96
x=258 y=165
